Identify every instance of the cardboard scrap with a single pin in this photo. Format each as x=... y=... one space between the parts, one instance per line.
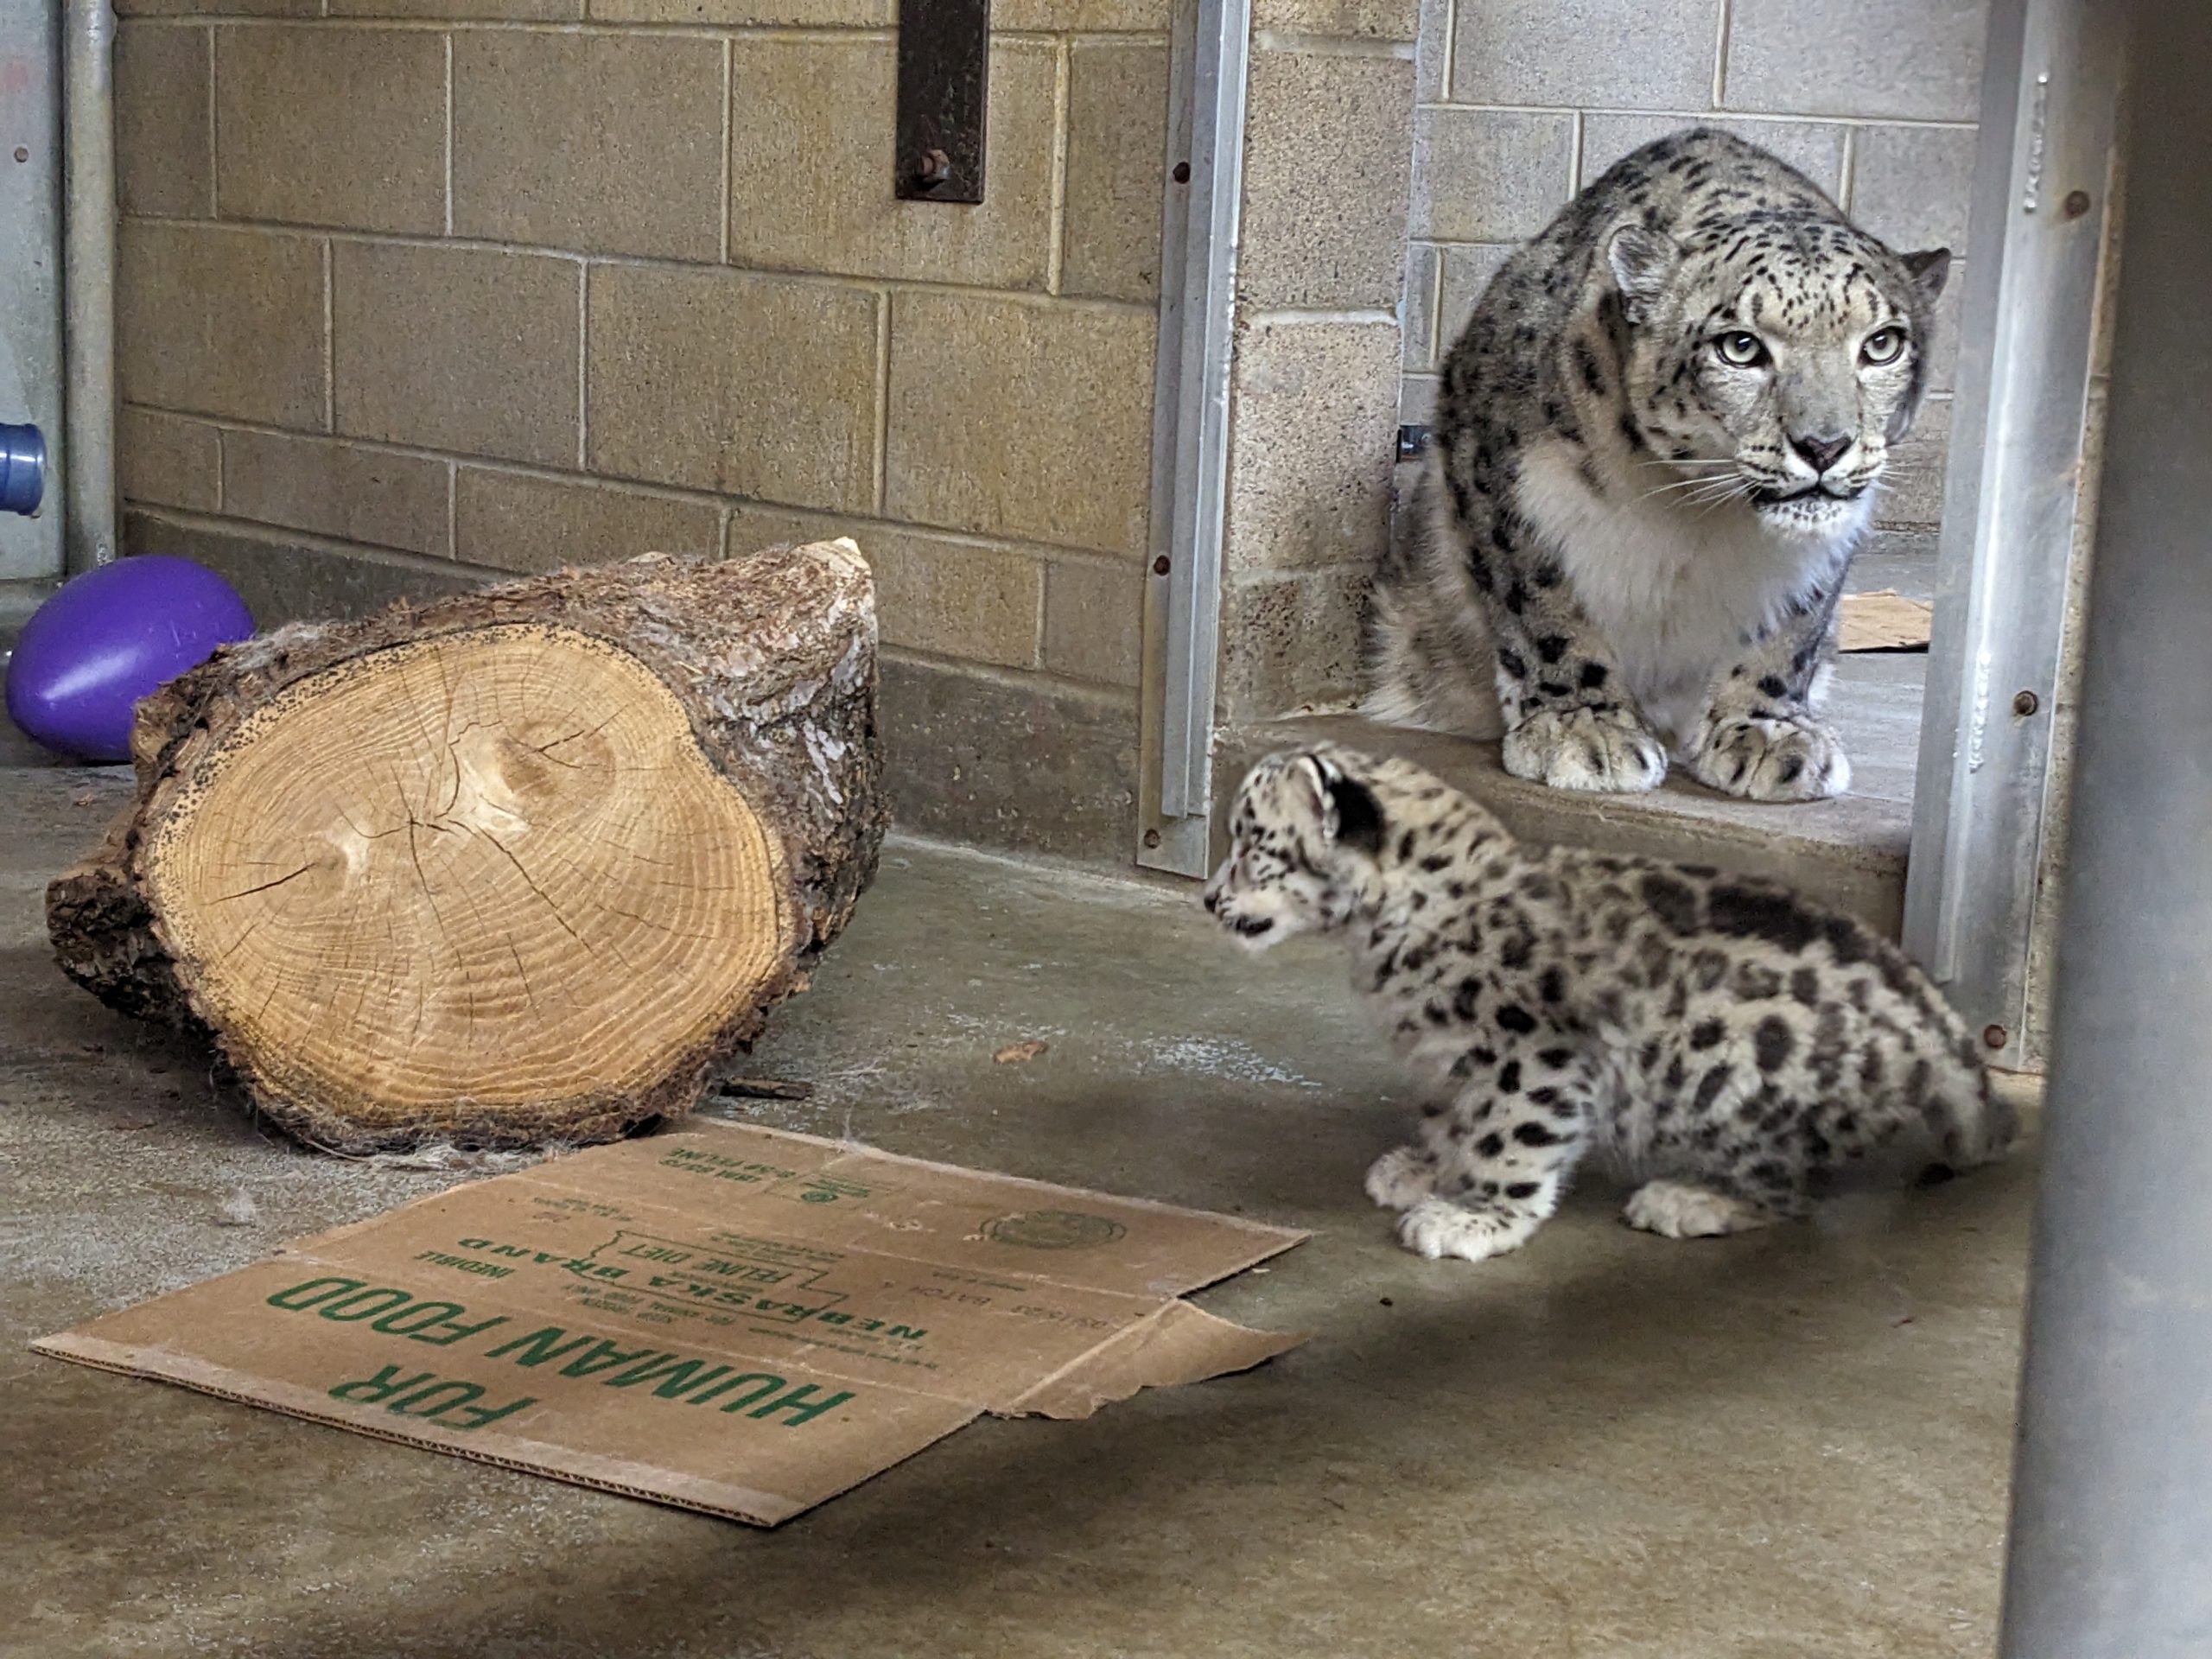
x=727 y=1319
x=1885 y=622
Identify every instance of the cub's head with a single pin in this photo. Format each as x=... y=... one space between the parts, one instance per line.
x=1304 y=841
x=1775 y=353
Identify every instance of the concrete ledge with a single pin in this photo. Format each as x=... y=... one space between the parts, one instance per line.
x=1848 y=853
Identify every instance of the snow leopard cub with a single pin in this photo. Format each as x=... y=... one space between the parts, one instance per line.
x=1656 y=446
x=1725 y=1041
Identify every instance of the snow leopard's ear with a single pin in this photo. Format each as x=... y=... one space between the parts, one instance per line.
x=1359 y=816
x=1349 y=814
x=1644 y=261
x=1929 y=270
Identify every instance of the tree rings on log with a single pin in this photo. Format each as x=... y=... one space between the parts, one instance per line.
x=519 y=866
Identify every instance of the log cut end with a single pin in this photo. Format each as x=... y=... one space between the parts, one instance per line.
x=504 y=880
x=482 y=873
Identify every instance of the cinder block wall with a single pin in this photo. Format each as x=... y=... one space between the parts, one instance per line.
x=1313 y=386
x=1497 y=113
x=1522 y=103
x=416 y=291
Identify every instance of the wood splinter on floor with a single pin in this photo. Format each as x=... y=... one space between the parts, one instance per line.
x=765 y=1088
x=1018 y=1053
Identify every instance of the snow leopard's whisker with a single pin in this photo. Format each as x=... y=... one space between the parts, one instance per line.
x=1690 y=484
x=1738 y=490
x=1699 y=489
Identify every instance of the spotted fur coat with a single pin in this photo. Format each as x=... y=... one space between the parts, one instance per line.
x=1726 y=1040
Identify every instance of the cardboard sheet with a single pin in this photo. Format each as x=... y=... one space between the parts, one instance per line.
x=1884 y=622
x=728 y=1318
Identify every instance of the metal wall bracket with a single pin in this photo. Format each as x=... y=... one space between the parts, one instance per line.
x=944 y=73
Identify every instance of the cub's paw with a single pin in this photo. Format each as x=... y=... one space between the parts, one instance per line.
x=1402 y=1178
x=1436 y=1228
x=1612 y=752
x=1677 y=1210
x=1794 y=760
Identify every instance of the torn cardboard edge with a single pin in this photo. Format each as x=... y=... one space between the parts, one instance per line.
x=1885 y=620
x=732 y=1320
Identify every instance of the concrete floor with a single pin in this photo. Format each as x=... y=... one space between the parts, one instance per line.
x=1608 y=1446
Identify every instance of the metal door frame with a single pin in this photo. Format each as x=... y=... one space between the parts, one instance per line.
x=2043 y=192
x=2045 y=182
x=1210 y=56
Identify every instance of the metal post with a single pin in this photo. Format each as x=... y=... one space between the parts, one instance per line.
x=30 y=278
x=1190 y=430
x=2050 y=102
x=2111 y=1514
x=88 y=281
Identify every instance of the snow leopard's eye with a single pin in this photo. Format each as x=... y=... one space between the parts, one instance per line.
x=1740 y=349
x=1882 y=346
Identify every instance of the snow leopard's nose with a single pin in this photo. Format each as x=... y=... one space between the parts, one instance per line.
x=1823 y=452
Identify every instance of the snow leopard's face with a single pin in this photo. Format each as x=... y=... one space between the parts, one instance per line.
x=1301 y=857
x=1777 y=361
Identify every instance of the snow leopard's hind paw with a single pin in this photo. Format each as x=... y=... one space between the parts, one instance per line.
x=1402 y=1178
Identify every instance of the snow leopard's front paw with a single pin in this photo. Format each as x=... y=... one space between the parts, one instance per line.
x=1436 y=1228
x=1402 y=1178
x=1612 y=752
x=1794 y=758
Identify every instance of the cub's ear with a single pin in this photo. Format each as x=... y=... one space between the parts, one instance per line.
x=1929 y=270
x=1348 y=812
x=1358 y=816
x=1644 y=261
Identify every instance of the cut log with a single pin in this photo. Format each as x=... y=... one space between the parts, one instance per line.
x=521 y=866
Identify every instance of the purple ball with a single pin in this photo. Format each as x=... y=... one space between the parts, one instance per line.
x=110 y=637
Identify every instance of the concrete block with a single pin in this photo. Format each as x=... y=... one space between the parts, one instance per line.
x=318 y=124
x=471 y=349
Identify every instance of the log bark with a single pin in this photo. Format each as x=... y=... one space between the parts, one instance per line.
x=522 y=865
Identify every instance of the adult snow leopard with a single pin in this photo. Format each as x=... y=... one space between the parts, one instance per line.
x=1656 y=446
